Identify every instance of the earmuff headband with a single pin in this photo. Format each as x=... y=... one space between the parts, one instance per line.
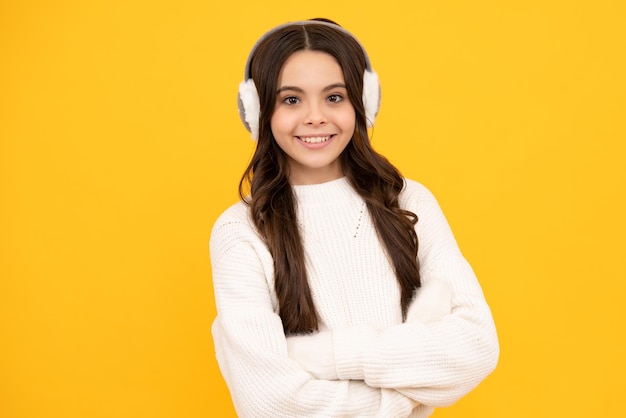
x=247 y=75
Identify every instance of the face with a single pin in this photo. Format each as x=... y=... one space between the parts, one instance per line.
x=313 y=119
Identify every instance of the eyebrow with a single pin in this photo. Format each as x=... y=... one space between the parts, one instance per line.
x=299 y=90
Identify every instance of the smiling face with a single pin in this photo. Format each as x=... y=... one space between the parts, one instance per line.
x=313 y=120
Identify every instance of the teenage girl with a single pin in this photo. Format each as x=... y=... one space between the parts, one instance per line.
x=339 y=286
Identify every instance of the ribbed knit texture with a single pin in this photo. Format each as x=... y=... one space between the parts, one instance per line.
x=384 y=367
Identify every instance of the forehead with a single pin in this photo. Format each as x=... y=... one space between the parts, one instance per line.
x=310 y=67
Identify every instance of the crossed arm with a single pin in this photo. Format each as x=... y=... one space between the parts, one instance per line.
x=252 y=353
x=315 y=354
x=447 y=345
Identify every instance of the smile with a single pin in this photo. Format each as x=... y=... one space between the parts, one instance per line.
x=314 y=139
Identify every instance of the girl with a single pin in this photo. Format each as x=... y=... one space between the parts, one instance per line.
x=339 y=287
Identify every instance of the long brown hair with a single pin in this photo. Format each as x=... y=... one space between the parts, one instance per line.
x=272 y=201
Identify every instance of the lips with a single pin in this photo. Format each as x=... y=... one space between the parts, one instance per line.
x=314 y=139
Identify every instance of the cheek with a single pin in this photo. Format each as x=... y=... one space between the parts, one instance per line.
x=281 y=121
x=348 y=119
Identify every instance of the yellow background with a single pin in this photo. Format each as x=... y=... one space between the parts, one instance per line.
x=120 y=144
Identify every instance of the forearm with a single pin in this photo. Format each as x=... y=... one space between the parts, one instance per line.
x=266 y=383
x=435 y=358
x=316 y=352
x=435 y=363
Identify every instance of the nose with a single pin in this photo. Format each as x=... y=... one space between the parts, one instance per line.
x=315 y=115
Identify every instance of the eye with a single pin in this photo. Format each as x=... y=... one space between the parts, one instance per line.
x=335 y=98
x=291 y=100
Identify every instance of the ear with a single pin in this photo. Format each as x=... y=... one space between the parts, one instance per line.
x=371 y=96
x=249 y=107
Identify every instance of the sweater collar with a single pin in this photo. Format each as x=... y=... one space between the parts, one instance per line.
x=325 y=194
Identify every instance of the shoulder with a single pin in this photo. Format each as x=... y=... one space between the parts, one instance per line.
x=232 y=227
x=238 y=213
x=415 y=195
x=432 y=226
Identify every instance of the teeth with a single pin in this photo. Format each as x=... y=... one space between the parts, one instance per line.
x=315 y=139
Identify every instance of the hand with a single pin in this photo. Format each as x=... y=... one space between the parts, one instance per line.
x=314 y=353
x=432 y=302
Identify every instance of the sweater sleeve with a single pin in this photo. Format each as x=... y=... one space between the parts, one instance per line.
x=251 y=346
x=434 y=363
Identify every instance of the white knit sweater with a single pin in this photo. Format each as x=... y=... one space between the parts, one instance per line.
x=382 y=366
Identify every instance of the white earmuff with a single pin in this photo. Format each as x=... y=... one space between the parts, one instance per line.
x=248 y=97
x=249 y=107
x=371 y=96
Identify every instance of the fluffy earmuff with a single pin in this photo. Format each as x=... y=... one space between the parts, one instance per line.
x=249 y=107
x=371 y=96
x=248 y=98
